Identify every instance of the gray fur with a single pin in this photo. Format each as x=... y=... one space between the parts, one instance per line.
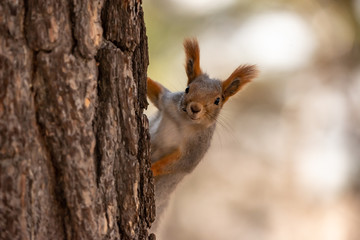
x=170 y=129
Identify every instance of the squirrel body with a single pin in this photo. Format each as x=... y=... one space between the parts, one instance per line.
x=173 y=135
x=182 y=129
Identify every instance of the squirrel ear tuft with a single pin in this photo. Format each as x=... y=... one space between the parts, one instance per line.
x=241 y=76
x=192 y=64
x=154 y=91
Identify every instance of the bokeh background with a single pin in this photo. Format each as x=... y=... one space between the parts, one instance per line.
x=285 y=160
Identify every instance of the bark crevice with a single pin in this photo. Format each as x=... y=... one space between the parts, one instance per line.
x=72 y=20
x=56 y=183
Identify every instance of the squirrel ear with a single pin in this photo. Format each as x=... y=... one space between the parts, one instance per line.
x=242 y=75
x=154 y=91
x=192 y=64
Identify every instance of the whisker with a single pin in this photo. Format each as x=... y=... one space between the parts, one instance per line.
x=224 y=125
x=228 y=128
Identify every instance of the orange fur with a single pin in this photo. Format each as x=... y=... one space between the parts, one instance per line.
x=159 y=167
x=244 y=73
x=192 y=64
x=153 y=91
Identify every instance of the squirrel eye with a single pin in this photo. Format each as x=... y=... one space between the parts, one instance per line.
x=217 y=101
x=187 y=90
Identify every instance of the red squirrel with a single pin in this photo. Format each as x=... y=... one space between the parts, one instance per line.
x=182 y=129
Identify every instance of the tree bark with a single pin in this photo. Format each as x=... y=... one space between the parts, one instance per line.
x=74 y=142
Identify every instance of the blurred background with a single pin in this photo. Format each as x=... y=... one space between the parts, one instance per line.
x=285 y=159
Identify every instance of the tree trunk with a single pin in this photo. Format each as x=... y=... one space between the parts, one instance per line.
x=74 y=142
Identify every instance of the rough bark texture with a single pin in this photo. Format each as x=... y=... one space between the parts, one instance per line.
x=74 y=142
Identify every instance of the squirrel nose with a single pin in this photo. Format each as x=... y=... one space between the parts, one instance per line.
x=195 y=108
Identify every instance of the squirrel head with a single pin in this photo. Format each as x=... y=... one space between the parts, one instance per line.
x=203 y=97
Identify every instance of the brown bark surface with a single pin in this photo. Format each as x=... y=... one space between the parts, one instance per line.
x=74 y=142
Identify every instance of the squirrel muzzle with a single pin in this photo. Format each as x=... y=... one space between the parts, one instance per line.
x=195 y=110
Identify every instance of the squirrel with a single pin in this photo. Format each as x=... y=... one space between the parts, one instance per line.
x=182 y=128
